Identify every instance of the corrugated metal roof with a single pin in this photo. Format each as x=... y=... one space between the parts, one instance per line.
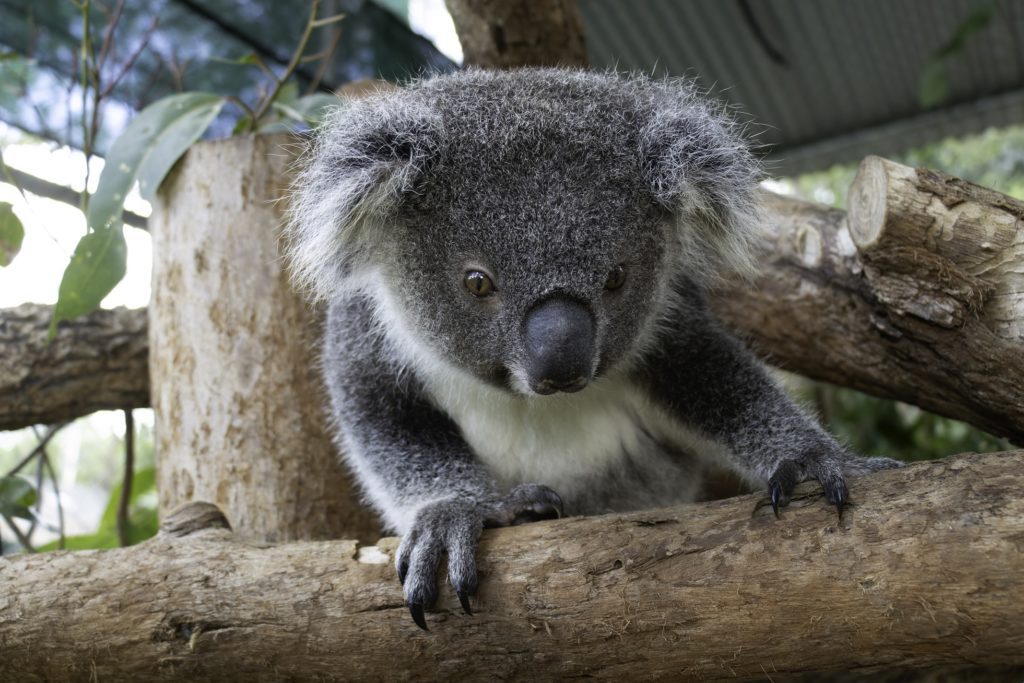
x=830 y=80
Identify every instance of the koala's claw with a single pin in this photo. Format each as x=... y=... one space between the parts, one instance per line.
x=464 y=601
x=782 y=483
x=416 y=610
x=403 y=569
x=837 y=494
x=828 y=471
x=525 y=503
x=446 y=527
x=775 y=492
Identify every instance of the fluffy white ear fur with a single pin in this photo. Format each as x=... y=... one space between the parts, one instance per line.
x=700 y=170
x=366 y=155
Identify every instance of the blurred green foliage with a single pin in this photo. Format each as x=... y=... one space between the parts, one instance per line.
x=876 y=426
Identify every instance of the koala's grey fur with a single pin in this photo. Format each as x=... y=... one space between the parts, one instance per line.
x=546 y=180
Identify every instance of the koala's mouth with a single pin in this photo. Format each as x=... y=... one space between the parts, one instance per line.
x=547 y=386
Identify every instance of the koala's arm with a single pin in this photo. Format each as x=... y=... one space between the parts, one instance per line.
x=413 y=463
x=702 y=375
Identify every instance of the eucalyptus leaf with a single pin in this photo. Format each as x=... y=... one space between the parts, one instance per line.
x=312 y=108
x=147 y=149
x=96 y=267
x=171 y=144
x=12 y=232
x=17 y=495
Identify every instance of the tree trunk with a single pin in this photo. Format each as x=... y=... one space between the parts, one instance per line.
x=918 y=297
x=97 y=362
x=239 y=406
x=502 y=34
x=925 y=570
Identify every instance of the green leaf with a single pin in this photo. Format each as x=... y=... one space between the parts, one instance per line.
x=288 y=93
x=12 y=232
x=242 y=125
x=96 y=267
x=171 y=144
x=143 y=482
x=400 y=8
x=17 y=495
x=147 y=149
x=143 y=518
x=247 y=58
x=312 y=108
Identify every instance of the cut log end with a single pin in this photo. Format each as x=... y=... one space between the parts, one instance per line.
x=867 y=202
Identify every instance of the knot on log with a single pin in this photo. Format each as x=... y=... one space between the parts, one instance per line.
x=192 y=517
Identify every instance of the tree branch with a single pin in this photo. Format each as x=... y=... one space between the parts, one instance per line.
x=915 y=297
x=925 y=570
x=96 y=362
x=62 y=193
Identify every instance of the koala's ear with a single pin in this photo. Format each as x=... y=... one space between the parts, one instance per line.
x=699 y=168
x=366 y=158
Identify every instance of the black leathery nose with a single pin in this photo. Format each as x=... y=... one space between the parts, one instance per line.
x=559 y=340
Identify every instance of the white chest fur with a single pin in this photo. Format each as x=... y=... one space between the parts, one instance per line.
x=556 y=440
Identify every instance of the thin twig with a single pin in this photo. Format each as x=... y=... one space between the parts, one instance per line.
x=22 y=539
x=51 y=432
x=293 y=63
x=56 y=495
x=84 y=52
x=324 y=62
x=126 y=482
x=128 y=63
x=108 y=36
x=39 y=487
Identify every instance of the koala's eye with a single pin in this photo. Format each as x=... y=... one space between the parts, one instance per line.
x=479 y=284
x=616 y=278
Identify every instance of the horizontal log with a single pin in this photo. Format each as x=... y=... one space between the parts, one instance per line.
x=926 y=569
x=872 y=313
x=95 y=362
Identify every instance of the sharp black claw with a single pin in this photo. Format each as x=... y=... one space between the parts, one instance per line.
x=775 y=491
x=416 y=610
x=464 y=601
x=403 y=569
x=839 y=495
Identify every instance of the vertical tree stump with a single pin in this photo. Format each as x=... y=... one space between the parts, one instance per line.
x=502 y=34
x=240 y=417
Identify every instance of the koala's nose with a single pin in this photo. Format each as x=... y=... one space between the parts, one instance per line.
x=559 y=336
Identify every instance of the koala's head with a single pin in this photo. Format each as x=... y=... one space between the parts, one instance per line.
x=526 y=226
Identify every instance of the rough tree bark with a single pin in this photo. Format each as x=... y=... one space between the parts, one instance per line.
x=512 y=33
x=238 y=401
x=917 y=297
x=97 y=362
x=925 y=570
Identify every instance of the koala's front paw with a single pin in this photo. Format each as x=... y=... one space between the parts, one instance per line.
x=829 y=469
x=446 y=526
x=525 y=503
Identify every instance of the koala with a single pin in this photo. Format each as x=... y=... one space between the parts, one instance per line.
x=513 y=265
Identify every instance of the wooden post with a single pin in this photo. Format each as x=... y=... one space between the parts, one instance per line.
x=240 y=417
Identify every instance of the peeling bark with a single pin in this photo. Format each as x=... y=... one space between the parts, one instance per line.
x=925 y=570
